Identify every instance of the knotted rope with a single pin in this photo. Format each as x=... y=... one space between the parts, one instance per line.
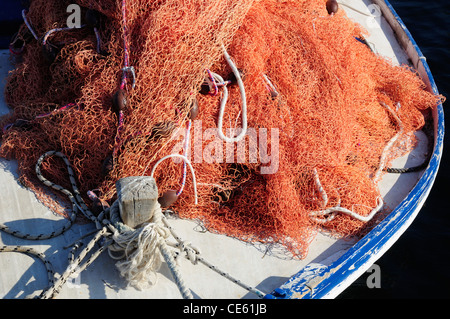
x=139 y=252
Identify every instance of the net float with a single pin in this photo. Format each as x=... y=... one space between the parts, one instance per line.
x=204 y=89
x=119 y=101
x=168 y=198
x=193 y=113
x=332 y=6
x=108 y=165
x=98 y=206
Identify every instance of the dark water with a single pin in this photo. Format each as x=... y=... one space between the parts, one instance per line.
x=418 y=265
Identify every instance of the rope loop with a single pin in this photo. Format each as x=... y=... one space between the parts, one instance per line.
x=75 y=198
x=188 y=162
x=223 y=102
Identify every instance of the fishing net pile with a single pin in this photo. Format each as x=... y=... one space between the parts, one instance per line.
x=120 y=93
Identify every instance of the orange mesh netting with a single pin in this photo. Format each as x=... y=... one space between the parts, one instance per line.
x=328 y=106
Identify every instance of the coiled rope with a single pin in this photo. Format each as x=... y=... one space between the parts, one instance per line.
x=137 y=251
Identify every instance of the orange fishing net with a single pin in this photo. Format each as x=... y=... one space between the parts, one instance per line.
x=316 y=105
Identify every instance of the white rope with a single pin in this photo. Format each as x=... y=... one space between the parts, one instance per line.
x=390 y=143
x=193 y=255
x=28 y=24
x=377 y=176
x=338 y=209
x=186 y=160
x=76 y=265
x=171 y=263
x=331 y=210
x=140 y=252
x=135 y=250
x=320 y=188
x=50 y=32
x=224 y=99
x=75 y=198
x=142 y=259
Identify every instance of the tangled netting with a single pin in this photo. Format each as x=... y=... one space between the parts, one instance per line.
x=119 y=93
